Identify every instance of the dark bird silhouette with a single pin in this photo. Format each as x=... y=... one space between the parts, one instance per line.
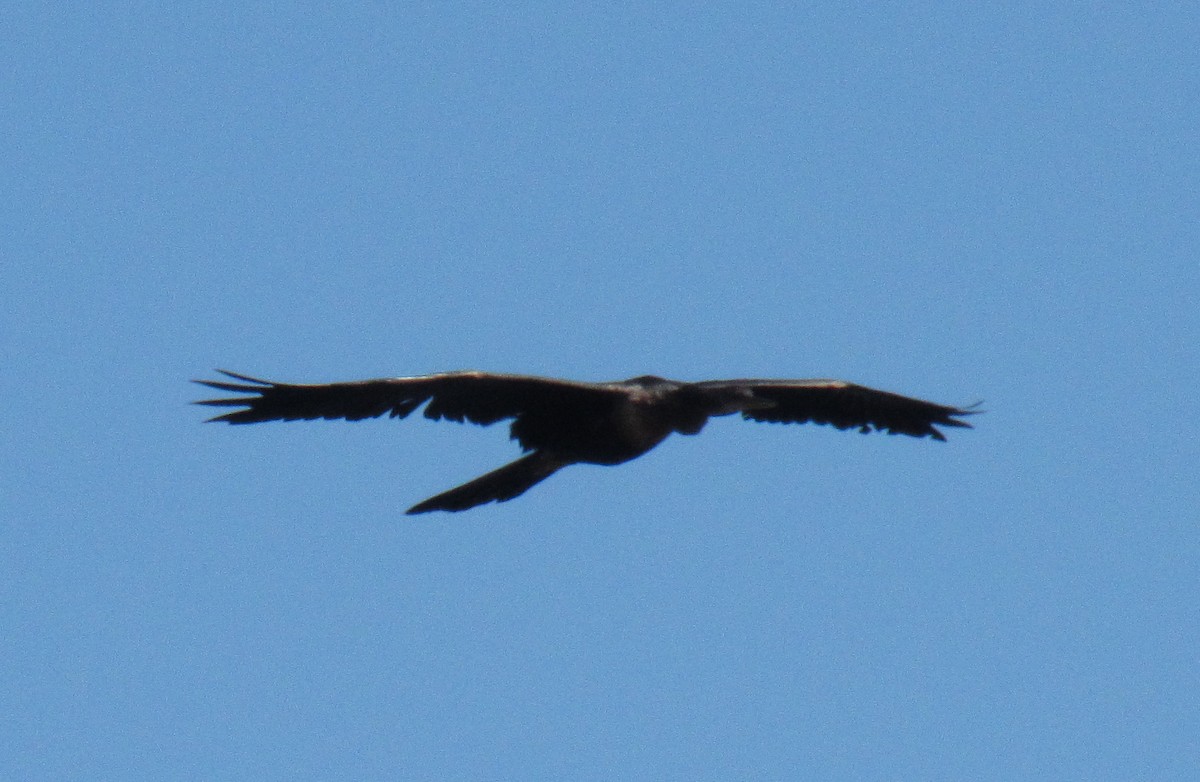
x=562 y=422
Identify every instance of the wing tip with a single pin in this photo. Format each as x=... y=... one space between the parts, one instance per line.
x=245 y=378
x=950 y=417
x=249 y=385
x=953 y=414
x=257 y=385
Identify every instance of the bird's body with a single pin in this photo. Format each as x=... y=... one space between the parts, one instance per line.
x=561 y=422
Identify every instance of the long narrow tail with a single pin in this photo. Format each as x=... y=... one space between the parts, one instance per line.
x=499 y=485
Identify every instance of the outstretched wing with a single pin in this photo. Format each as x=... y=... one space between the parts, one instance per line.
x=840 y=404
x=478 y=397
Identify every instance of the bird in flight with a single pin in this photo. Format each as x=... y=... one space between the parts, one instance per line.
x=563 y=422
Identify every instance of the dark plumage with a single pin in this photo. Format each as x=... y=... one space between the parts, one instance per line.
x=561 y=422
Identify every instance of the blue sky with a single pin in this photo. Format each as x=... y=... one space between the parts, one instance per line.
x=995 y=202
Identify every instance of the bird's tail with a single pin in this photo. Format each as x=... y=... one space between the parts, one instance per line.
x=499 y=485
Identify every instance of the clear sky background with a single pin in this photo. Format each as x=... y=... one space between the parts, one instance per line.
x=995 y=202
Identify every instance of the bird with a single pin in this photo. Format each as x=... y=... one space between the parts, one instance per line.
x=563 y=422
